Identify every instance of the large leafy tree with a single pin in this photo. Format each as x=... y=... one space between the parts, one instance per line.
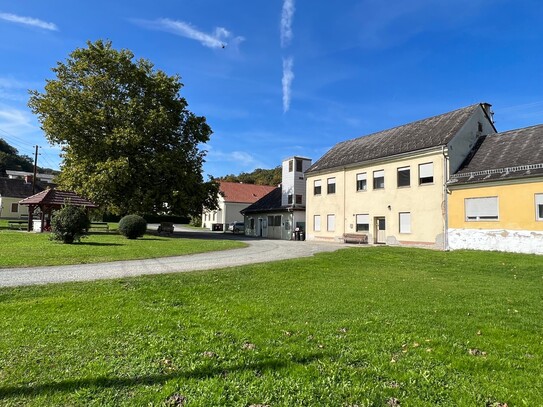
x=128 y=140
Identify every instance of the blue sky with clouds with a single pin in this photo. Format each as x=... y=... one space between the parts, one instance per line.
x=295 y=76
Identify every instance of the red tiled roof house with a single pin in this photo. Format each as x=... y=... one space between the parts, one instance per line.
x=233 y=198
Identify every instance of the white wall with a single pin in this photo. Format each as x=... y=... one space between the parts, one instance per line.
x=515 y=241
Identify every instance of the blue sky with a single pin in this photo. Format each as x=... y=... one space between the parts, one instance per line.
x=295 y=76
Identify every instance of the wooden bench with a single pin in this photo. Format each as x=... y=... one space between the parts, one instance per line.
x=18 y=224
x=165 y=227
x=99 y=226
x=355 y=238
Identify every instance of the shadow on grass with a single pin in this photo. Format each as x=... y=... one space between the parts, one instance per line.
x=98 y=244
x=205 y=372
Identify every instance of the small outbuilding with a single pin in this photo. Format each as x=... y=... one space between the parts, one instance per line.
x=49 y=200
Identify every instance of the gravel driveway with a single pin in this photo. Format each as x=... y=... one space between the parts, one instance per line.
x=259 y=251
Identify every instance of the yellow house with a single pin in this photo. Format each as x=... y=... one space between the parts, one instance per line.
x=496 y=198
x=391 y=187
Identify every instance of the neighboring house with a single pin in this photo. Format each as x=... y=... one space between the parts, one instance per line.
x=279 y=213
x=390 y=187
x=12 y=190
x=233 y=197
x=496 y=198
x=47 y=178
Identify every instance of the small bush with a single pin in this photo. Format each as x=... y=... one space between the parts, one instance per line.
x=69 y=224
x=132 y=226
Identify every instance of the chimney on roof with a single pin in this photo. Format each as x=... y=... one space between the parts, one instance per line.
x=488 y=111
x=28 y=179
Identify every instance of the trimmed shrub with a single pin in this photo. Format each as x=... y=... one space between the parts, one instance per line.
x=69 y=224
x=132 y=226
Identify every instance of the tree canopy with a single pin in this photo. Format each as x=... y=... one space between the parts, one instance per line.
x=11 y=160
x=259 y=177
x=128 y=140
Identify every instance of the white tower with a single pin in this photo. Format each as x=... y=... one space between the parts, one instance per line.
x=293 y=181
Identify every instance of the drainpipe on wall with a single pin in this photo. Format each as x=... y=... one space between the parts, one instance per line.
x=344 y=203
x=445 y=199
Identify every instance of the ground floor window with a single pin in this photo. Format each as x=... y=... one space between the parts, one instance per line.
x=14 y=207
x=539 y=206
x=252 y=223
x=317 y=223
x=363 y=223
x=405 y=222
x=481 y=209
x=331 y=223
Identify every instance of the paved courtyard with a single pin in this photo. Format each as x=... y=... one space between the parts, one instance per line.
x=258 y=251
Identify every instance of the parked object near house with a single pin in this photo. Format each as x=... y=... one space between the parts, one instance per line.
x=233 y=197
x=280 y=212
x=236 y=227
x=165 y=227
x=390 y=187
x=496 y=198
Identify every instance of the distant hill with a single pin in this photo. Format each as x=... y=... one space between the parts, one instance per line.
x=11 y=160
x=258 y=177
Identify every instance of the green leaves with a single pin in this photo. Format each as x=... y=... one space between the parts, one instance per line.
x=128 y=140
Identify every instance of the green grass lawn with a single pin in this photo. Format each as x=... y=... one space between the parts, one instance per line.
x=22 y=249
x=358 y=327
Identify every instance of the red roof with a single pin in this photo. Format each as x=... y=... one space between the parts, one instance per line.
x=243 y=193
x=54 y=197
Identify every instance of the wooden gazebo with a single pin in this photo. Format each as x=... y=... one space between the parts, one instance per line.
x=52 y=199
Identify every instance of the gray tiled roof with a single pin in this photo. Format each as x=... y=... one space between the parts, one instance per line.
x=511 y=154
x=270 y=202
x=432 y=132
x=17 y=188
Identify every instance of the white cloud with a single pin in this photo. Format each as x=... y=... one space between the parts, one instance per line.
x=286 y=22
x=288 y=76
x=33 y=22
x=220 y=37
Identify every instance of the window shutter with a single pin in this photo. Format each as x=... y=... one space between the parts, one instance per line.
x=317 y=223
x=362 y=219
x=482 y=207
x=405 y=222
x=317 y=183
x=426 y=170
x=378 y=174
x=361 y=177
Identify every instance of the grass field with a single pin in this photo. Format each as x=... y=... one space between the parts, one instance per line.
x=358 y=327
x=22 y=249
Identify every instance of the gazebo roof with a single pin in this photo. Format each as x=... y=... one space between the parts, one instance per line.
x=57 y=198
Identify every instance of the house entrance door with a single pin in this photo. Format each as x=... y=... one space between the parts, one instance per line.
x=380 y=231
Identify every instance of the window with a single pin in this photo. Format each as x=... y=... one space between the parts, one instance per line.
x=404 y=177
x=298 y=199
x=405 y=222
x=289 y=199
x=331 y=186
x=362 y=223
x=539 y=206
x=481 y=209
x=426 y=173
x=361 y=182
x=317 y=223
x=317 y=187
x=290 y=164
x=252 y=223
x=331 y=223
x=378 y=179
x=299 y=165
x=14 y=207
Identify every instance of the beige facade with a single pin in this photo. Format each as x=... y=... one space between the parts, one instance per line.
x=10 y=208
x=400 y=203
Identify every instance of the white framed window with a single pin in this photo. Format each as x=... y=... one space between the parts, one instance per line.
x=405 y=222
x=539 y=206
x=331 y=187
x=317 y=187
x=363 y=223
x=481 y=209
x=361 y=181
x=379 y=179
x=317 y=223
x=14 y=207
x=426 y=173
x=404 y=177
x=331 y=223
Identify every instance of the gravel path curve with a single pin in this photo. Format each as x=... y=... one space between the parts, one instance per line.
x=258 y=251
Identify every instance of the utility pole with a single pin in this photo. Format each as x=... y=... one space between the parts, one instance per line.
x=35 y=170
